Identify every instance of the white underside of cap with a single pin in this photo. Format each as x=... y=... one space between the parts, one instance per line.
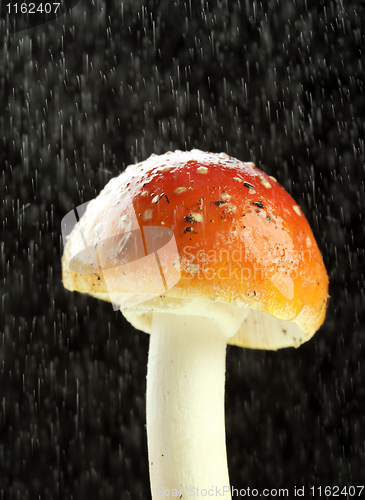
x=228 y=317
x=242 y=325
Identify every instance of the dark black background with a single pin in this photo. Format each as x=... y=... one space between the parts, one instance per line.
x=278 y=83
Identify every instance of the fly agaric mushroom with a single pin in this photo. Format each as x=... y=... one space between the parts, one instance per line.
x=251 y=275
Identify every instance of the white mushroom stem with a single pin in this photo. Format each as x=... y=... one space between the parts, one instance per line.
x=185 y=407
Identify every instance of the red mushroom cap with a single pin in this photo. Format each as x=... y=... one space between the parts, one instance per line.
x=241 y=238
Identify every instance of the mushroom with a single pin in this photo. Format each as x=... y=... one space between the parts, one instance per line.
x=250 y=274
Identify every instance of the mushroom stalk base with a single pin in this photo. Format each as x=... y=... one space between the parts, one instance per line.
x=185 y=408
